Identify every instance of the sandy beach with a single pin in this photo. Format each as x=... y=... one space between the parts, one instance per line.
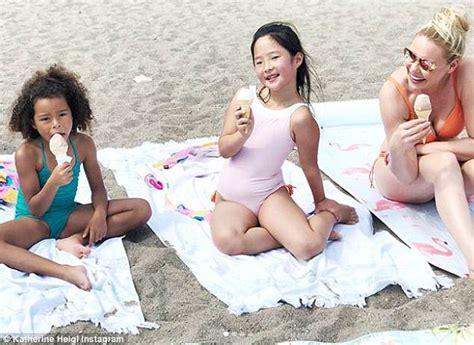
x=197 y=54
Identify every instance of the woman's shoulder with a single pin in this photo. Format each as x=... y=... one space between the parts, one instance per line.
x=467 y=62
x=399 y=76
x=394 y=94
x=394 y=83
x=465 y=71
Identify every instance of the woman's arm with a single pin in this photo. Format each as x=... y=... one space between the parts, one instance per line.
x=38 y=199
x=463 y=148
x=401 y=135
x=236 y=131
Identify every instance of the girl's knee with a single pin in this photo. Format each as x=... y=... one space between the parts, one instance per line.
x=142 y=210
x=227 y=241
x=309 y=249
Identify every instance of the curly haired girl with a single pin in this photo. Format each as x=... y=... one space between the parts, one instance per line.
x=55 y=102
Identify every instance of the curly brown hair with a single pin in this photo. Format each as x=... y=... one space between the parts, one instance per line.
x=56 y=81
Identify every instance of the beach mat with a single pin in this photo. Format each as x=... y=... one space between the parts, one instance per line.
x=351 y=135
x=179 y=179
x=31 y=304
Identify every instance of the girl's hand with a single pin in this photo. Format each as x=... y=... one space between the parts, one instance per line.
x=96 y=229
x=409 y=133
x=61 y=175
x=343 y=213
x=244 y=124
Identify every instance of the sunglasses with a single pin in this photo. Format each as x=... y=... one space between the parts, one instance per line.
x=426 y=65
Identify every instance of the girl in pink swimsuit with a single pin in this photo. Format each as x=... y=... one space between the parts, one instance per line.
x=254 y=212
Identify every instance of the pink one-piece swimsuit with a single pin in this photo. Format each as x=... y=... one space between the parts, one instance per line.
x=254 y=173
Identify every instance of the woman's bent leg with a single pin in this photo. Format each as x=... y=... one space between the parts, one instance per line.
x=441 y=176
x=444 y=171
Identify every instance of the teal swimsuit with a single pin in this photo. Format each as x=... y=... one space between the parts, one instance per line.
x=63 y=203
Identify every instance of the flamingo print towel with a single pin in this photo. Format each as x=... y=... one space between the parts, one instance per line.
x=351 y=136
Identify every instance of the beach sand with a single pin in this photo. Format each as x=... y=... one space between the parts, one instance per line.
x=197 y=54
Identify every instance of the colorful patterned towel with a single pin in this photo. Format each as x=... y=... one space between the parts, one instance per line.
x=181 y=198
x=8 y=180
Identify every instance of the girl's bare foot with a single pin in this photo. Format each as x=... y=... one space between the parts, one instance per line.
x=74 y=246
x=335 y=236
x=346 y=214
x=77 y=275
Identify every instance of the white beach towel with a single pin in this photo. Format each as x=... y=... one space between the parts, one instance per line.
x=352 y=132
x=178 y=179
x=31 y=304
x=444 y=335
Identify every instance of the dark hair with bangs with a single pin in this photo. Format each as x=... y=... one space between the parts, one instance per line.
x=285 y=35
x=56 y=81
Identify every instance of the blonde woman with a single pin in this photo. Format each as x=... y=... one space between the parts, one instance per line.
x=422 y=159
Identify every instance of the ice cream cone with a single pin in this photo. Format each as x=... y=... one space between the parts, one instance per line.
x=244 y=99
x=422 y=108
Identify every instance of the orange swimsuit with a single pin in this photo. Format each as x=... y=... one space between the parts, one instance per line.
x=454 y=122
x=452 y=127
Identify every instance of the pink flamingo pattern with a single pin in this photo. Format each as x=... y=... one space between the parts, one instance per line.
x=383 y=205
x=427 y=248
x=356 y=170
x=351 y=147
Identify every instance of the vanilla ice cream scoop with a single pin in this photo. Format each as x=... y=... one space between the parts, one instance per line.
x=58 y=147
x=244 y=99
x=423 y=106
